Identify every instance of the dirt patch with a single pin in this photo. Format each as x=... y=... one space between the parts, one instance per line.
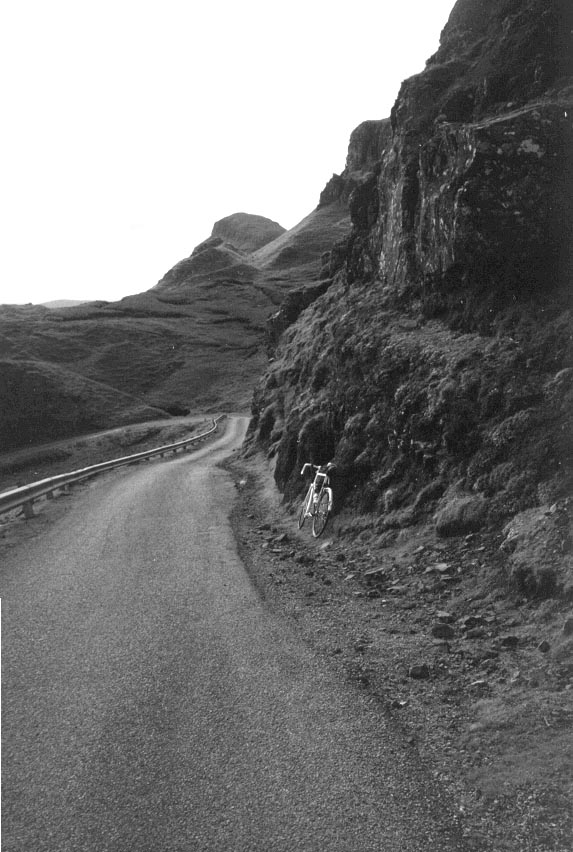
x=479 y=679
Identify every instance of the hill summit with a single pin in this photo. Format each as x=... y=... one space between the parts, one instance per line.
x=246 y=232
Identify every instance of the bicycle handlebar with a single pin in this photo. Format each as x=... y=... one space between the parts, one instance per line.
x=325 y=468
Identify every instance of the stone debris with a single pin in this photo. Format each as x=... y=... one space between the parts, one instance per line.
x=509 y=641
x=441 y=630
x=446 y=617
x=476 y=633
x=419 y=672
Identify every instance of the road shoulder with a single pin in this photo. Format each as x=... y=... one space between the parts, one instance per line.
x=485 y=713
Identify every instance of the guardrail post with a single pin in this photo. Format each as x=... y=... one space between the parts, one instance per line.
x=28 y=509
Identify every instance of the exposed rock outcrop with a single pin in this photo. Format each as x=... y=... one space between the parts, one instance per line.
x=539 y=543
x=435 y=356
x=247 y=232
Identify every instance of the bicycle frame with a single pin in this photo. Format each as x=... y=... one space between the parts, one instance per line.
x=319 y=487
x=322 y=483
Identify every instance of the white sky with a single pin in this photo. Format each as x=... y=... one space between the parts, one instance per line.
x=131 y=126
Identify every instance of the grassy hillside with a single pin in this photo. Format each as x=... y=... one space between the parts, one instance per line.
x=42 y=401
x=194 y=342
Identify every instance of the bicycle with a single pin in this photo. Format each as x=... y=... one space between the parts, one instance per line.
x=319 y=501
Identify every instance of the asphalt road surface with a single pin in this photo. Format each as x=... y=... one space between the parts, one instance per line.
x=151 y=702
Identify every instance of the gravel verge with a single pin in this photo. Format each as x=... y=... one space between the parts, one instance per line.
x=478 y=679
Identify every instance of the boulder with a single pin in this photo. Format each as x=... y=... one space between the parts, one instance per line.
x=419 y=672
x=441 y=630
x=461 y=515
x=537 y=543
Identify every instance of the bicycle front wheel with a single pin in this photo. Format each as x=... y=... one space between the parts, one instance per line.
x=321 y=515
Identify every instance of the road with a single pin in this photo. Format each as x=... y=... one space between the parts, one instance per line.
x=151 y=702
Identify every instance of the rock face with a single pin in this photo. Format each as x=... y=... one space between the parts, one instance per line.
x=440 y=353
x=247 y=232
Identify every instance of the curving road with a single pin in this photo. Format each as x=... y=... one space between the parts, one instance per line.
x=150 y=702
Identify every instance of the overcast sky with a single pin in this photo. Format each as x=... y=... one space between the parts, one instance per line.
x=131 y=126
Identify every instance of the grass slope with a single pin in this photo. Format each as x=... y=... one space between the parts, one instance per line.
x=194 y=342
x=48 y=401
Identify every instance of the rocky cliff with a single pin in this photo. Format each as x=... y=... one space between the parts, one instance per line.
x=436 y=367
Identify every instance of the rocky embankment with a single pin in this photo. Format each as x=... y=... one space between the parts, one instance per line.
x=436 y=370
x=436 y=367
x=472 y=677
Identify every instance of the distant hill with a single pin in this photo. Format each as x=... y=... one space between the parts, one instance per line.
x=42 y=401
x=63 y=303
x=197 y=341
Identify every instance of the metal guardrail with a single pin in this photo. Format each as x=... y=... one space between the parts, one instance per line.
x=26 y=494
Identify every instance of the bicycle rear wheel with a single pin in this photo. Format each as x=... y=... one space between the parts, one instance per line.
x=321 y=515
x=304 y=508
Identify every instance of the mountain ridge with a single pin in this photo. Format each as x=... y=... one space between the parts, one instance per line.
x=194 y=342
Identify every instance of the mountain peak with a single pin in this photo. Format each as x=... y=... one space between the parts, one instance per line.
x=247 y=232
